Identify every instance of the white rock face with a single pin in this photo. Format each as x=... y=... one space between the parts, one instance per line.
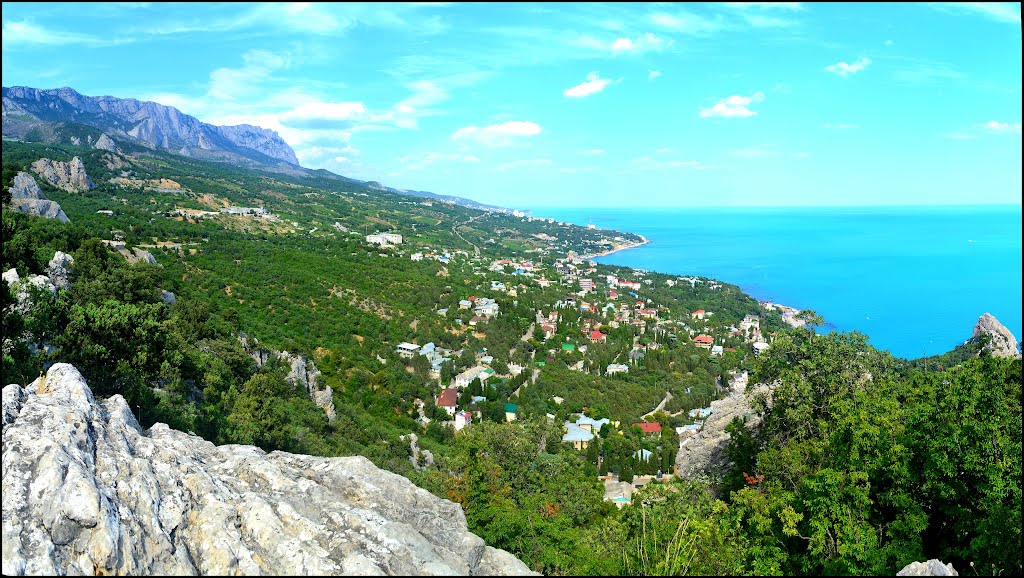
x=704 y=454
x=59 y=268
x=27 y=198
x=932 y=567
x=303 y=374
x=69 y=176
x=86 y=491
x=1002 y=343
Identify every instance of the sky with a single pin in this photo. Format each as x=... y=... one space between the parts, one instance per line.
x=533 y=105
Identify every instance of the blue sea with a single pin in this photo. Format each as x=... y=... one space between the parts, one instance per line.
x=914 y=279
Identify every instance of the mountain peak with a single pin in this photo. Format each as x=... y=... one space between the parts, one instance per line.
x=152 y=124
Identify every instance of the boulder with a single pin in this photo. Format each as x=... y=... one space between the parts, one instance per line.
x=59 y=268
x=88 y=491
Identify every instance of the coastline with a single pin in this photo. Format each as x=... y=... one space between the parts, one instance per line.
x=615 y=249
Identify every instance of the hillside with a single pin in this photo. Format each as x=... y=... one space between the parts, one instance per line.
x=549 y=395
x=65 y=117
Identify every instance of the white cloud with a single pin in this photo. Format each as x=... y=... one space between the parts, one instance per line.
x=1008 y=12
x=687 y=22
x=997 y=127
x=325 y=115
x=786 y=6
x=652 y=74
x=525 y=163
x=26 y=33
x=845 y=69
x=592 y=85
x=733 y=106
x=498 y=135
x=419 y=162
x=645 y=43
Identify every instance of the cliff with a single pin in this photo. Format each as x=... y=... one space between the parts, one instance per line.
x=87 y=491
x=1001 y=341
x=149 y=123
x=26 y=197
x=69 y=176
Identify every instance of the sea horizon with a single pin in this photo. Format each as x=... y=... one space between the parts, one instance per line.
x=913 y=278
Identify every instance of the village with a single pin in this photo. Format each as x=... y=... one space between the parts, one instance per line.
x=577 y=307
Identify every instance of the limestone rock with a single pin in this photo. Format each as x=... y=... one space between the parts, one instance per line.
x=25 y=187
x=105 y=143
x=26 y=197
x=1001 y=343
x=87 y=491
x=167 y=297
x=59 y=268
x=69 y=176
x=303 y=374
x=932 y=567
x=22 y=288
x=704 y=454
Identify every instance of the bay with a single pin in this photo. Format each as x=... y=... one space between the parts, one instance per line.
x=914 y=279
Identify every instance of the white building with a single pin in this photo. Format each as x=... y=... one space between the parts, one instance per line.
x=384 y=239
x=407 y=350
x=617 y=368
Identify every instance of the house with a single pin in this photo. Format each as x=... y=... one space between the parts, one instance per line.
x=717 y=350
x=649 y=427
x=698 y=314
x=487 y=309
x=543 y=282
x=597 y=336
x=465 y=304
x=428 y=348
x=759 y=347
x=590 y=424
x=416 y=257
x=462 y=419
x=477 y=319
x=510 y=411
x=636 y=355
x=704 y=341
x=407 y=350
x=617 y=368
x=466 y=377
x=700 y=412
x=577 y=436
x=384 y=239
x=448 y=399
x=568 y=347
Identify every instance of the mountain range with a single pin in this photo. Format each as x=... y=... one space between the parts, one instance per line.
x=65 y=116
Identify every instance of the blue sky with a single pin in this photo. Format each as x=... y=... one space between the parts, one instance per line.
x=531 y=105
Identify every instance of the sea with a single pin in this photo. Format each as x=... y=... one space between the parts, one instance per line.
x=913 y=279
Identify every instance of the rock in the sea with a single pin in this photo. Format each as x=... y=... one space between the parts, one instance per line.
x=69 y=176
x=1001 y=343
x=26 y=197
x=87 y=491
x=59 y=268
x=932 y=567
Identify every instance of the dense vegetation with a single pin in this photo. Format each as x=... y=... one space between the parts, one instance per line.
x=863 y=463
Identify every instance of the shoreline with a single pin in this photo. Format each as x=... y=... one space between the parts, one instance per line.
x=617 y=249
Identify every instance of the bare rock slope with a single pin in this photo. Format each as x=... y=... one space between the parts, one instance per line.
x=1001 y=343
x=87 y=491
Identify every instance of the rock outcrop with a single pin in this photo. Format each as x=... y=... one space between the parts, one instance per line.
x=303 y=374
x=106 y=143
x=704 y=454
x=1001 y=343
x=26 y=197
x=87 y=491
x=22 y=288
x=59 y=269
x=149 y=123
x=932 y=567
x=69 y=176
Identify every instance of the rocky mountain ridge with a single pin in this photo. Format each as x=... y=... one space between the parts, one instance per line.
x=88 y=491
x=150 y=123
